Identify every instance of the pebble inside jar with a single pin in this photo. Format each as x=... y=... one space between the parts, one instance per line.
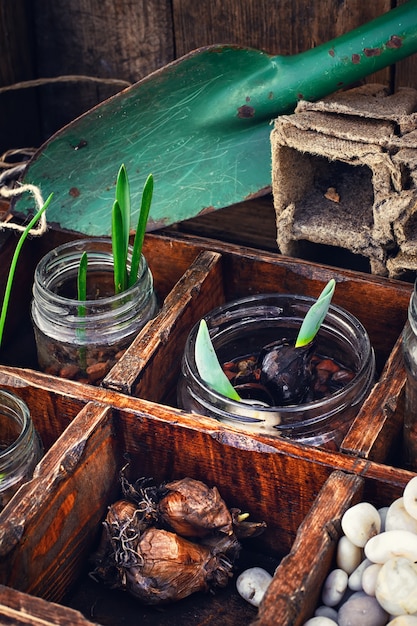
x=240 y=332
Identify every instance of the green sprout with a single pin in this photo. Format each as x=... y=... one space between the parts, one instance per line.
x=208 y=365
x=82 y=283
x=209 y=368
x=82 y=297
x=121 y=229
x=123 y=279
x=13 y=265
x=315 y=316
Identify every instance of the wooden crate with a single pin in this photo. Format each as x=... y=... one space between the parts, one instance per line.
x=50 y=528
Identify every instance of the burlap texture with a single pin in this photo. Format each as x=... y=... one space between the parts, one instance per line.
x=344 y=175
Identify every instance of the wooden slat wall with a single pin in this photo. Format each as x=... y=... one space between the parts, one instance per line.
x=127 y=39
x=19 y=121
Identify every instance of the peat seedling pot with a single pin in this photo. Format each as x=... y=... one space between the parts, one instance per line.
x=82 y=339
x=240 y=331
x=20 y=445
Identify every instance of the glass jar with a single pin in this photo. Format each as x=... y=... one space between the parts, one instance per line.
x=243 y=328
x=82 y=340
x=409 y=344
x=20 y=445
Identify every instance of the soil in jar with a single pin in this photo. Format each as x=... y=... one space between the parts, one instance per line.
x=87 y=364
x=298 y=379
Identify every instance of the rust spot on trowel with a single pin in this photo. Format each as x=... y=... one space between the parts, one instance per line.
x=245 y=112
x=332 y=52
x=356 y=58
x=394 y=42
x=74 y=192
x=372 y=52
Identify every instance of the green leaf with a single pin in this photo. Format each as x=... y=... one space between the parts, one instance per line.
x=315 y=316
x=123 y=198
x=82 y=296
x=119 y=249
x=208 y=365
x=82 y=283
x=13 y=264
x=141 y=228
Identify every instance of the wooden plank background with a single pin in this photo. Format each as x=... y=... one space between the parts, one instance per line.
x=127 y=39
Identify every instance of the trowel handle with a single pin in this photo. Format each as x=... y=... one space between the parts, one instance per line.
x=350 y=57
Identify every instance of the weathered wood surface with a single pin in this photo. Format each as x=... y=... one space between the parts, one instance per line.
x=149 y=368
x=105 y=39
x=287 y=602
x=278 y=27
x=20 y=609
x=19 y=111
x=382 y=412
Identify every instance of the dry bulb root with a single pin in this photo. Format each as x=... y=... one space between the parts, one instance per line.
x=164 y=543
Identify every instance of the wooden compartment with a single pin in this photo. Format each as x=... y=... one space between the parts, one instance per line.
x=52 y=525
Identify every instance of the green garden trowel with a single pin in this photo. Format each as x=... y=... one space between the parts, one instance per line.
x=201 y=125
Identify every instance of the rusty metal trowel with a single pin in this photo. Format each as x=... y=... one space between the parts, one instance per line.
x=201 y=126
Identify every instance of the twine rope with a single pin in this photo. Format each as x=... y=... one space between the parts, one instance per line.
x=8 y=193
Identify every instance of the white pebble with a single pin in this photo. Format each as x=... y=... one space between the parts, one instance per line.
x=320 y=621
x=252 y=584
x=361 y=609
x=348 y=556
x=326 y=611
x=410 y=497
x=369 y=577
x=398 y=517
x=390 y=544
x=403 y=620
x=355 y=579
x=361 y=522
x=334 y=587
x=396 y=586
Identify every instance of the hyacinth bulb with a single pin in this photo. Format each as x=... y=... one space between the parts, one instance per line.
x=173 y=567
x=192 y=509
x=170 y=541
x=286 y=371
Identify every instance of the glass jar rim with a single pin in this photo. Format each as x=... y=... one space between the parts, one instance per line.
x=21 y=411
x=311 y=406
x=79 y=245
